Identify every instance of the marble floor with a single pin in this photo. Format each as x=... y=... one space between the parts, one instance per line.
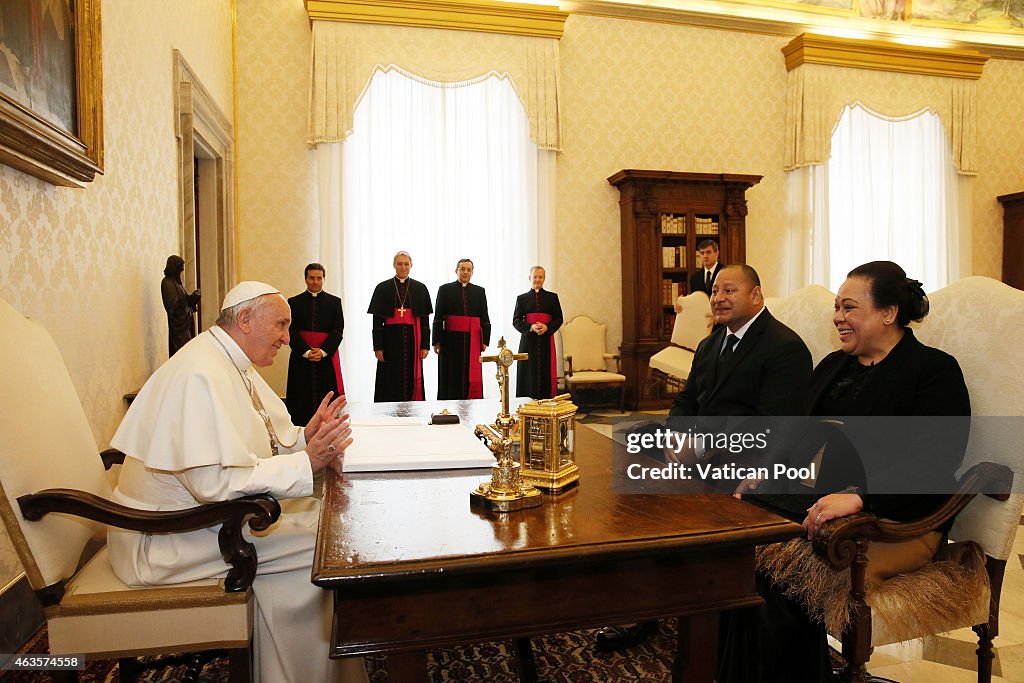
x=945 y=658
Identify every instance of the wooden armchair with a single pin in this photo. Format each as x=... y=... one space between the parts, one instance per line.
x=888 y=617
x=48 y=464
x=586 y=363
x=971 y=319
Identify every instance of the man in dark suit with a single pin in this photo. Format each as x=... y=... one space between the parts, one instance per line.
x=318 y=324
x=751 y=365
x=703 y=279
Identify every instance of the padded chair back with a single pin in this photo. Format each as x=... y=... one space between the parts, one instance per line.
x=583 y=339
x=808 y=312
x=977 y=320
x=693 y=322
x=47 y=443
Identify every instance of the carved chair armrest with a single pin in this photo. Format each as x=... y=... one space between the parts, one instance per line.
x=837 y=539
x=568 y=360
x=260 y=511
x=111 y=457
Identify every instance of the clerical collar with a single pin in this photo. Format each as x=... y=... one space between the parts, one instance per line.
x=313 y=294
x=400 y=279
x=235 y=352
x=464 y=284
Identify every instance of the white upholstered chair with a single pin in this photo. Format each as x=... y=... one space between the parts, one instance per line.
x=972 y=319
x=808 y=312
x=586 y=363
x=671 y=366
x=49 y=463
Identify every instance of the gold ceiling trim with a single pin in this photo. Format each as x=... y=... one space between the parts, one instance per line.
x=489 y=16
x=792 y=19
x=808 y=48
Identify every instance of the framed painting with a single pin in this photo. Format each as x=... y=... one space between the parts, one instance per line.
x=51 y=89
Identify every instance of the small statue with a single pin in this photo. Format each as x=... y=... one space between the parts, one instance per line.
x=179 y=304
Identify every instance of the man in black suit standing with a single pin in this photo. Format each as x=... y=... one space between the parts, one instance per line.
x=751 y=364
x=703 y=279
x=314 y=368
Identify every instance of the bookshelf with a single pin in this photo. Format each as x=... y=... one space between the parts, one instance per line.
x=664 y=215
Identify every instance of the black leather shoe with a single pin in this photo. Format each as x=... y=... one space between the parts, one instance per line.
x=612 y=638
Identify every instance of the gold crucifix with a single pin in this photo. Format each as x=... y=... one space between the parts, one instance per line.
x=503 y=359
x=506 y=491
x=401 y=312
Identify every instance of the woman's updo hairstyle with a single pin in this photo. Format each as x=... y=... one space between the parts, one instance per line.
x=890 y=286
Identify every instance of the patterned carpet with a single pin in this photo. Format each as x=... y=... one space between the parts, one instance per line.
x=560 y=657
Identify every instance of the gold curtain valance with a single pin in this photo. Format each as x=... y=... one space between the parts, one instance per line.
x=817 y=93
x=346 y=55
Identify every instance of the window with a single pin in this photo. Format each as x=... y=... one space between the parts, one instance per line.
x=443 y=171
x=892 y=195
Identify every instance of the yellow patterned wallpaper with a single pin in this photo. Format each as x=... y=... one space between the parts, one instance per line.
x=277 y=213
x=88 y=262
x=657 y=96
x=1001 y=148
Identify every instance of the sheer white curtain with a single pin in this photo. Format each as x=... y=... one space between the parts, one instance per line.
x=443 y=171
x=892 y=194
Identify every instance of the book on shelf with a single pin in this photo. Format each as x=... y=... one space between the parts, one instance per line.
x=673 y=225
x=669 y=323
x=706 y=225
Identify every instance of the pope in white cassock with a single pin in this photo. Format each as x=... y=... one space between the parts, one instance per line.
x=205 y=428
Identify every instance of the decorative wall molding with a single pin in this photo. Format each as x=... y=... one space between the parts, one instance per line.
x=203 y=130
x=808 y=48
x=791 y=19
x=489 y=16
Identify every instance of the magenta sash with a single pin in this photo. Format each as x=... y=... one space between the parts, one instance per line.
x=314 y=340
x=546 y=318
x=471 y=324
x=417 y=364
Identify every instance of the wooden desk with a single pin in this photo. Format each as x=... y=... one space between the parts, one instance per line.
x=412 y=567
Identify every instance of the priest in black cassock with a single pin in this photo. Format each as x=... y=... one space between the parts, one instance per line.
x=538 y=316
x=314 y=367
x=462 y=330
x=401 y=333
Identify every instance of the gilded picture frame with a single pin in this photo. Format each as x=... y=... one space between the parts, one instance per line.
x=51 y=89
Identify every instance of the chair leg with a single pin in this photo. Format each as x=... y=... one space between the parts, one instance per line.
x=984 y=652
x=857 y=637
x=240 y=665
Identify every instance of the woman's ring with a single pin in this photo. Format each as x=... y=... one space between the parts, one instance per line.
x=332 y=449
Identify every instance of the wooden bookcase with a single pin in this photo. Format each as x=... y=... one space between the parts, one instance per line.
x=664 y=215
x=1013 y=239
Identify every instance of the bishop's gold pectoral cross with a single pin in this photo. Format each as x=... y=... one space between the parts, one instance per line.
x=401 y=312
x=503 y=359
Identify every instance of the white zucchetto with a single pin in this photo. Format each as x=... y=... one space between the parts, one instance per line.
x=244 y=291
